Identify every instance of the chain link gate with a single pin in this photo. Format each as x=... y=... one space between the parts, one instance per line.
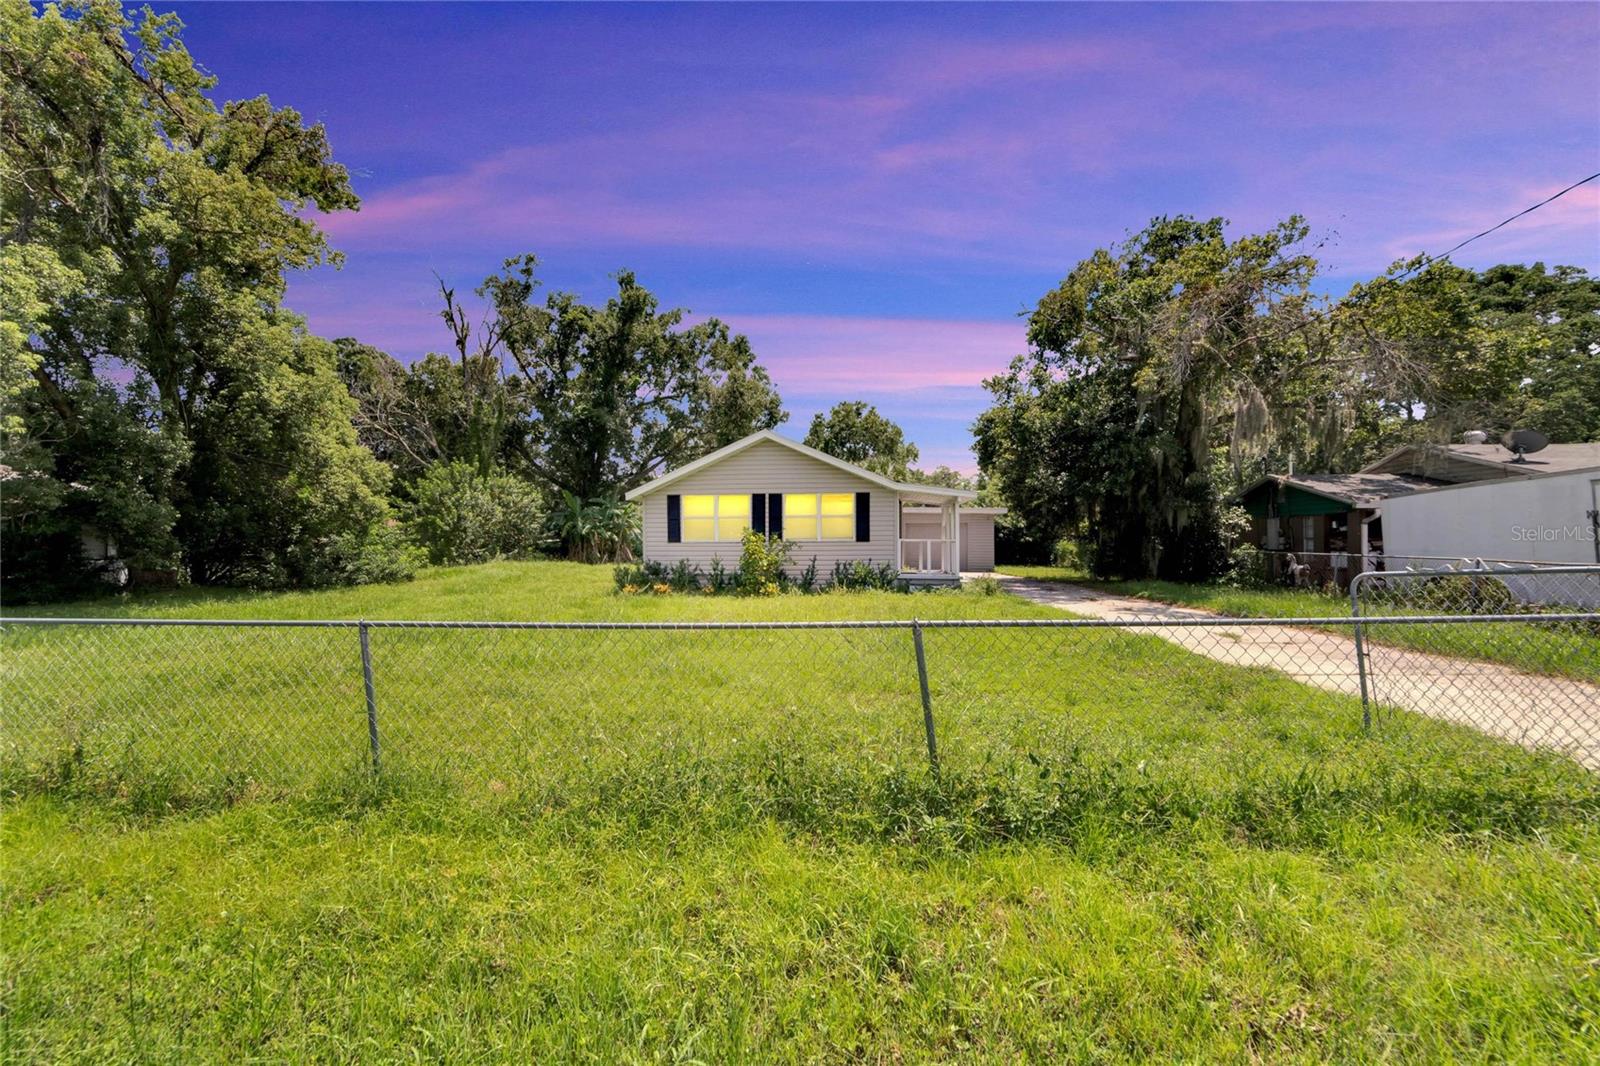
x=1512 y=651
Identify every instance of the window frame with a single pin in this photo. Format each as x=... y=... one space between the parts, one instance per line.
x=816 y=517
x=715 y=517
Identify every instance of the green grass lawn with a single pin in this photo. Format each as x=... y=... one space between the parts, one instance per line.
x=1565 y=649
x=640 y=846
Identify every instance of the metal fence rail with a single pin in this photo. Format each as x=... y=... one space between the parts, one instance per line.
x=1460 y=671
x=281 y=704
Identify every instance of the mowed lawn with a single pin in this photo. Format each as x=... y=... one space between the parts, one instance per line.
x=728 y=847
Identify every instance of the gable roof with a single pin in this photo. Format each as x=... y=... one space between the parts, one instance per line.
x=1357 y=490
x=904 y=488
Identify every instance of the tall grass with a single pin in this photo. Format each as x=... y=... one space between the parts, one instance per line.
x=681 y=846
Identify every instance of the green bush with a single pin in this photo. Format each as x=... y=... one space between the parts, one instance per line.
x=863 y=575
x=720 y=579
x=761 y=563
x=684 y=577
x=381 y=555
x=1067 y=554
x=761 y=572
x=460 y=516
x=640 y=577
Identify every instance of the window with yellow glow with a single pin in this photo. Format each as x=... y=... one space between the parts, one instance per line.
x=733 y=516
x=723 y=517
x=839 y=516
x=824 y=516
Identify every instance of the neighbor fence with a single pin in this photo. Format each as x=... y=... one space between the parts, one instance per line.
x=1307 y=569
x=1458 y=666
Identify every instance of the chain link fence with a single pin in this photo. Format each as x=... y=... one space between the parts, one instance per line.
x=1533 y=645
x=1292 y=568
x=1451 y=670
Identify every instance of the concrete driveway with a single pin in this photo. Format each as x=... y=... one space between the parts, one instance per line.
x=1535 y=710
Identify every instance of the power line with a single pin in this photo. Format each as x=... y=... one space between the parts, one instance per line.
x=1430 y=260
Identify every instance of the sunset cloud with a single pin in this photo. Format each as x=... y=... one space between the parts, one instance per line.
x=874 y=192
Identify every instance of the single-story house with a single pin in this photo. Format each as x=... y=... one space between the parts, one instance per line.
x=1334 y=524
x=1554 y=518
x=833 y=512
x=1330 y=523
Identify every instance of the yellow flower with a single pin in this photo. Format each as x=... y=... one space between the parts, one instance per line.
x=662 y=587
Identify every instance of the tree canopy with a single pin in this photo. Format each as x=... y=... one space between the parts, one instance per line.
x=147 y=232
x=1166 y=371
x=617 y=393
x=855 y=432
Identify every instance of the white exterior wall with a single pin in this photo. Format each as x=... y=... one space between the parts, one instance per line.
x=977 y=536
x=1541 y=520
x=769 y=467
x=977 y=542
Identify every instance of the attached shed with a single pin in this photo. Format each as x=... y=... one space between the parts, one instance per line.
x=977 y=532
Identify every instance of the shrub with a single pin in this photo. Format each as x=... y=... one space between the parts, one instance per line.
x=720 y=579
x=684 y=577
x=459 y=516
x=761 y=563
x=1448 y=595
x=641 y=577
x=380 y=556
x=1067 y=554
x=808 y=577
x=863 y=575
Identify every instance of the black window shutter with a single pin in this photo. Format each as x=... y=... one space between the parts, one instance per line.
x=674 y=519
x=758 y=512
x=775 y=514
x=863 y=516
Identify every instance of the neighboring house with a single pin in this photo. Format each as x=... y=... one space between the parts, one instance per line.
x=1553 y=518
x=1389 y=513
x=833 y=512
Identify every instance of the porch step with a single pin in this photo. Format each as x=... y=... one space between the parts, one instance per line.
x=920 y=579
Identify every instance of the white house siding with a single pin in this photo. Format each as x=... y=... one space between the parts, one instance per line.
x=977 y=536
x=1540 y=520
x=977 y=542
x=769 y=467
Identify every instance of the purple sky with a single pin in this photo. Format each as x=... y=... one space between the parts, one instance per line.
x=874 y=193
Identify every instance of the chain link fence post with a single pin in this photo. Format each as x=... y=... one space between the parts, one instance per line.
x=1361 y=650
x=372 y=695
x=927 y=700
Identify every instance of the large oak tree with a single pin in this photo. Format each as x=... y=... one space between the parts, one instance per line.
x=159 y=224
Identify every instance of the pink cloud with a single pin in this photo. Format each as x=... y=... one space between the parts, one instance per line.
x=942 y=66
x=841 y=353
x=402 y=320
x=1549 y=233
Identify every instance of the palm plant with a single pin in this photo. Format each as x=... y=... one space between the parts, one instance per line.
x=603 y=529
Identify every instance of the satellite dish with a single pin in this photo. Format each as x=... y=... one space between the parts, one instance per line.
x=1524 y=442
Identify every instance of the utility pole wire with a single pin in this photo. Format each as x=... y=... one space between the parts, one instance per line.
x=1430 y=260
